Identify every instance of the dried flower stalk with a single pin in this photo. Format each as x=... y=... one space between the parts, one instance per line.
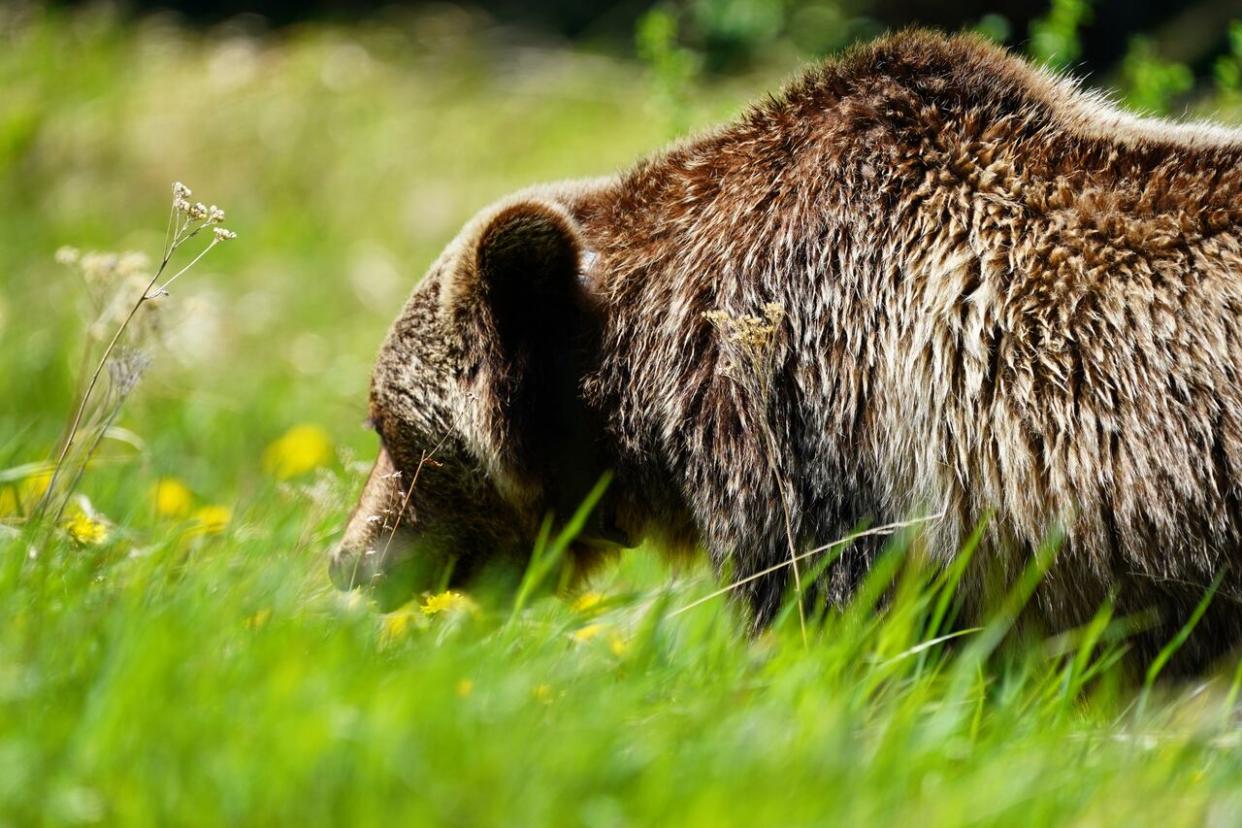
x=185 y=221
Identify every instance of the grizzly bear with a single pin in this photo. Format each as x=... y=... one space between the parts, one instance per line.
x=927 y=278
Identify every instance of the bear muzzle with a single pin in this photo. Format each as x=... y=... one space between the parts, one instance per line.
x=350 y=568
x=372 y=531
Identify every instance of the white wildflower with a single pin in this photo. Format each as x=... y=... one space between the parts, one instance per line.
x=133 y=262
x=224 y=235
x=98 y=267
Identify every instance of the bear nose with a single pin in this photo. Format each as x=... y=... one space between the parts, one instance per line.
x=349 y=568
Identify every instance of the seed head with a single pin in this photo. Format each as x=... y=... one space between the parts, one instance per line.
x=67 y=255
x=98 y=267
x=133 y=262
x=126 y=368
x=749 y=346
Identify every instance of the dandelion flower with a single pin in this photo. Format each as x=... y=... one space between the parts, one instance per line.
x=299 y=450
x=34 y=487
x=259 y=619
x=172 y=498
x=86 y=530
x=618 y=646
x=9 y=501
x=588 y=632
x=211 y=520
x=20 y=497
x=396 y=624
x=587 y=602
x=446 y=602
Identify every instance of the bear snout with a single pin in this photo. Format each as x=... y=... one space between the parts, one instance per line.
x=356 y=561
x=349 y=568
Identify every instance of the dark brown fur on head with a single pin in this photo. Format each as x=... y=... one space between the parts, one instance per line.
x=476 y=397
x=1000 y=296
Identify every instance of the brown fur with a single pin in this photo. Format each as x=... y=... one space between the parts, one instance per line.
x=1000 y=297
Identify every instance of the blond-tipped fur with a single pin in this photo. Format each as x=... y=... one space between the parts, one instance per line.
x=998 y=296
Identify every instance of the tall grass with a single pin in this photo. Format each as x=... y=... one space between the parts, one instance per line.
x=208 y=683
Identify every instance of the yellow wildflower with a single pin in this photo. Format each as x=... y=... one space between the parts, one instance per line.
x=20 y=497
x=464 y=688
x=259 y=619
x=587 y=602
x=35 y=486
x=543 y=693
x=587 y=633
x=299 y=450
x=211 y=520
x=396 y=624
x=86 y=530
x=449 y=601
x=172 y=498
x=618 y=645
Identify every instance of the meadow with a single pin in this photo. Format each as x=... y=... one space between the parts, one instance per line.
x=178 y=655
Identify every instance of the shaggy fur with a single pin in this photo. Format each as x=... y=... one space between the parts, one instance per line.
x=991 y=293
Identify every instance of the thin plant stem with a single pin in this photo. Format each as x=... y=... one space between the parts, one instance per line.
x=90 y=452
x=83 y=361
x=168 y=230
x=178 y=240
x=90 y=387
x=793 y=559
x=887 y=529
x=162 y=289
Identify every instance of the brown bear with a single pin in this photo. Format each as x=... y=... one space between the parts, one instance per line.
x=925 y=278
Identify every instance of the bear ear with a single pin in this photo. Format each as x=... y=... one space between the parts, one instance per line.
x=527 y=263
x=536 y=313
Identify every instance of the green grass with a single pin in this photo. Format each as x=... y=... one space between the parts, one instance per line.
x=168 y=677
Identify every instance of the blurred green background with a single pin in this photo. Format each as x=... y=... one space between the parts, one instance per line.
x=194 y=667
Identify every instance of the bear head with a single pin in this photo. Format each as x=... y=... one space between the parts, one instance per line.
x=478 y=399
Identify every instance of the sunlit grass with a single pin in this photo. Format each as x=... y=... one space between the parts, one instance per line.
x=204 y=680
